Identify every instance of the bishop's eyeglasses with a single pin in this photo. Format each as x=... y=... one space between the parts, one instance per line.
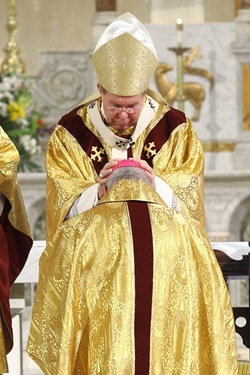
x=128 y=110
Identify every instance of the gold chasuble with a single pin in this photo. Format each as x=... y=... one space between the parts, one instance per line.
x=77 y=152
x=15 y=239
x=132 y=287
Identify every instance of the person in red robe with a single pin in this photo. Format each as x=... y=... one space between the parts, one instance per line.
x=15 y=239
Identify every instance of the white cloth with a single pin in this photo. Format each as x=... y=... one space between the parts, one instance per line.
x=235 y=250
x=87 y=200
x=166 y=194
x=118 y=144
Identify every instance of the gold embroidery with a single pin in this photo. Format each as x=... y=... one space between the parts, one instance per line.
x=86 y=293
x=150 y=149
x=3 y=360
x=112 y=64
x=128 y=131
x=9 y=159
x=97 y=154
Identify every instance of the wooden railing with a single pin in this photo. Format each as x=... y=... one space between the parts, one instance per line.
x=234 y=260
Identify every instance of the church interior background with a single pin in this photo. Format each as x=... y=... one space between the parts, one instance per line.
x=54 y=42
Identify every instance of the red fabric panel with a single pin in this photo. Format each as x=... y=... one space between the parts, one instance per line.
x=19 y=245
x=14 y=250
x=74 y=124
x=162 y=131
x=4 y=279
x=143 y=257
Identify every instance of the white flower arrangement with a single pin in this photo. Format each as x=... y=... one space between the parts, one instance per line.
x=18 y=120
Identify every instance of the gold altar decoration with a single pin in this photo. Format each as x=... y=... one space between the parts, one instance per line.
x=180 y=97
x=219 y=146
x=12 y=61
x=246 y=96
x=180 y=91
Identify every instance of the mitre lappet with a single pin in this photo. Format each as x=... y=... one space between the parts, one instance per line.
x=125 y=57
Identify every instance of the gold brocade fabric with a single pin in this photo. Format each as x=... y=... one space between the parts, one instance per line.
x=180 y=163
x=83 y=315
x=3 y=360
x=244 y=368
x=119 y=74
x=9 y=159
x=70 y=171
x=17 y=216
x=126 y=132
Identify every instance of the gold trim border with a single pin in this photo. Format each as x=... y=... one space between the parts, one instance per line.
x=218 y=146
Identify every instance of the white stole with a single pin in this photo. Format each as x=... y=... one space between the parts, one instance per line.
x=118 y=144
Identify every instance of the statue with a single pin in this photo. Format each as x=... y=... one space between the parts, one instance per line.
x=194 y=92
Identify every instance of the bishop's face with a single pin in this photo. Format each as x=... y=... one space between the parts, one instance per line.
x=121 y=112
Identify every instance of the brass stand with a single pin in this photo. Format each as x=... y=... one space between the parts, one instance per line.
x=12 y=61
x=179 y=55
x=179 y=50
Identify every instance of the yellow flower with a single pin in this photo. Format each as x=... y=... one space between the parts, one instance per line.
x=15 y=111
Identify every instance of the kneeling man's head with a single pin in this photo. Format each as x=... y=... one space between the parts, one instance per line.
x=127 y=169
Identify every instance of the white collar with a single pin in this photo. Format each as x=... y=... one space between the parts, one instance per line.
x=114 y=141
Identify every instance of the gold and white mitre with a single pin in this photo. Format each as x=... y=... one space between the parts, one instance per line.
x=125 y=57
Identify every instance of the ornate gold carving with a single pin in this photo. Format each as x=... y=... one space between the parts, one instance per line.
x=12 y=61
x=193 y=92
x=218 y=146
x=97 y=154
x=246 y=96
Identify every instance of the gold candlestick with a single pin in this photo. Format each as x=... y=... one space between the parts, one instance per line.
x=12 y=61
x=179 y=50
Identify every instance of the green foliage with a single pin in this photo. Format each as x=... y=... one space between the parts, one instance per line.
x=19 y=120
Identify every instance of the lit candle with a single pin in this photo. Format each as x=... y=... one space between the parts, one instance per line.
x=179 y=28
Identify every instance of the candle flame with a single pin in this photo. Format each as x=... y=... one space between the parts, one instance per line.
x=179 y=23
